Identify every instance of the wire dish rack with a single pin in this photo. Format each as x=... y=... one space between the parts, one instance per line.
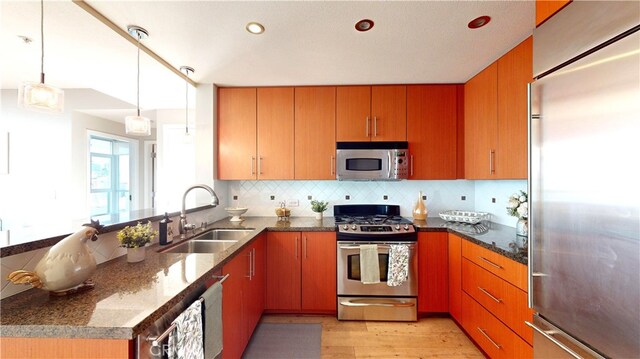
x=464 y=216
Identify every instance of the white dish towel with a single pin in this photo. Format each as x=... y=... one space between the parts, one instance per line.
x=398 y=264
x=369 y=264
x=185 y=341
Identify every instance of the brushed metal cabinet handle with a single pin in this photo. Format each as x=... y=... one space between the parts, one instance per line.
x=490 y=262
x=375 y=126
x=296 y=246
x=366 y=126
x=304 y=246
x=549 y=335
x=253 y=171
x=490 y=295
x=249 y=276
x=411 y=163
x=253 y=261
x=489 y=338
x=333 y=161
x=491 y=167
x=259 y=165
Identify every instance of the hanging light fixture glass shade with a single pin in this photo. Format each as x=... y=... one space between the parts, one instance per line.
x=38 y=95
x=137 y=125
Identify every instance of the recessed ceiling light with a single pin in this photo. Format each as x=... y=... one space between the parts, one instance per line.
x=255 y=28
x=364 y=25
x=479 y=22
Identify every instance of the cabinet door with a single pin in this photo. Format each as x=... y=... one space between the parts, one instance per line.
x=283 y=271
x=389 y=111
x=433 y=272
x=275 y=133
x=432 y=116
x=255 y=291
x=315 y=133
x=455 y=277
x=480 y=127
x=353 y=109
x=319 y=271
x=547 y=8
x=233 y=321
x=236 y=133
x=515 y=71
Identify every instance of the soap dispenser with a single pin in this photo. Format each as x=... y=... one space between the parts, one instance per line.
x=164 y=223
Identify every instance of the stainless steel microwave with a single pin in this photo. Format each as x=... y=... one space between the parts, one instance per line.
x=372 y=161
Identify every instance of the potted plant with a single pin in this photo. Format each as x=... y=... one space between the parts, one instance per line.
x=519 y=207
x=318 y=207
x=134 y=239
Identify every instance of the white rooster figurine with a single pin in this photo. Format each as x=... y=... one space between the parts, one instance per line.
x=66 y=266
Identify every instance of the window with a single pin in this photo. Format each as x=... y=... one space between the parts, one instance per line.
x=110 y=176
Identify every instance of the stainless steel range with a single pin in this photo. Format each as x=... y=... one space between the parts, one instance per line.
x=389 y=299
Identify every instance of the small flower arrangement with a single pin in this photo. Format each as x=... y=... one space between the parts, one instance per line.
x=519 y=205
x=319 y=206
x=137 y=236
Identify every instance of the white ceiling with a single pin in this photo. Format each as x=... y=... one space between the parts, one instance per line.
x=305 y=43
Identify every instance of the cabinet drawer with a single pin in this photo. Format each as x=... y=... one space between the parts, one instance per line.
x=505 y=268
x=507 y=302
x=495 y=338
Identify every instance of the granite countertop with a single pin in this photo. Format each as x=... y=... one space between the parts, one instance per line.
x=129 y=297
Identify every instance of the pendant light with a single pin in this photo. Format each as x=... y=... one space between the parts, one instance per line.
x=37 y=95
x=138 y=125
x=186 y=70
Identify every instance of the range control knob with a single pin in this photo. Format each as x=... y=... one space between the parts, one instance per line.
x=345 y=227
x=406 y=227
x=354 y=227
x=397 y=227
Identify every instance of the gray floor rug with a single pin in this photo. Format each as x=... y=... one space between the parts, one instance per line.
x=283 y=341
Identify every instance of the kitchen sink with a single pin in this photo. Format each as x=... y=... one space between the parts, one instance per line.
x=214 y=241
x=201 y=246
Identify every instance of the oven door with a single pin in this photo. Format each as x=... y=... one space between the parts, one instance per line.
x=349 y=283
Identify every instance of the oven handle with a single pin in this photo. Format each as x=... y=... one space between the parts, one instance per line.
x=349 y=303
x=383 y=246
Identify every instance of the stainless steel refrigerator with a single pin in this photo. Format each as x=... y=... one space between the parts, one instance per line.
x=584 y=182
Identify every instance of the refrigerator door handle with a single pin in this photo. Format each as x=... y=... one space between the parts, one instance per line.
x=549 y=335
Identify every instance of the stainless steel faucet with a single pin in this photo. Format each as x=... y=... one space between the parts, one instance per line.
x=184 y=226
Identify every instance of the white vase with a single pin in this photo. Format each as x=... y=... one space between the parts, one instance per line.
x=136 y=254
x=522 y=227
x=318 y=215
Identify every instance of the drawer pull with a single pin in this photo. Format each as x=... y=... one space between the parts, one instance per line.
x=490 y=262
x=489 y=338
x=490 y=295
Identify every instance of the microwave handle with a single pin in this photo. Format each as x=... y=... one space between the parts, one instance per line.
x=381 y=246
x=389 y=169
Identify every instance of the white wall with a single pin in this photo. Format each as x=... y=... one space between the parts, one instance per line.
x=500 y=190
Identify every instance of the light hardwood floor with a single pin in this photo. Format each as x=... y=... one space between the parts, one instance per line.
x=427 y=338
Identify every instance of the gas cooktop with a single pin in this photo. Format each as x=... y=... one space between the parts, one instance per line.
x=366 y=220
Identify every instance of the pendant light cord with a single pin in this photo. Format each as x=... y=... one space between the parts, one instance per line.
x=138 y=79
x=42 y=41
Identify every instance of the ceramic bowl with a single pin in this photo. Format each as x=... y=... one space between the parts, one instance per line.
x=236 y=213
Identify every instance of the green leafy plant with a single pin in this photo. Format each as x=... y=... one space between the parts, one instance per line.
x=319 y=206
x=136 y=236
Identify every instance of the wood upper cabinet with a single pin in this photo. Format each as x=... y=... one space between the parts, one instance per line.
x=495 y=114
x=319 y=271
x=515 y=71
x=236 y=133
x=432 y=120
x=547 y=8
x=433 y=272
x=255 y=133
x=371 y=113
x=275 y=156
x=315 y=133
x=455 y=277
x=283 y=271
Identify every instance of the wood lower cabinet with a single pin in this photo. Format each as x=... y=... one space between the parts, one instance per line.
x=66 y=348
x=243 y=297
x=505 y=268
x=432 y=120
x=433 y=272
x=301 y=272
x=493 y=336
x=455 y=276
x=495 y=117
x=547 y=8
x=315 y=133
x=371 y=113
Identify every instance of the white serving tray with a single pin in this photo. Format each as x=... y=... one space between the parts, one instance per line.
x=464 y=216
